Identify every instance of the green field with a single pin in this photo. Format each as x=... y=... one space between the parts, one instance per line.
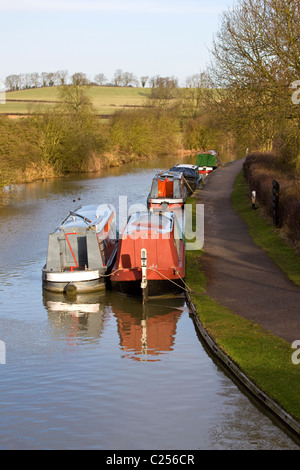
x=105 y=99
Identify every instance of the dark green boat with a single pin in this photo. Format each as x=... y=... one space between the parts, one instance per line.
x=208 y=161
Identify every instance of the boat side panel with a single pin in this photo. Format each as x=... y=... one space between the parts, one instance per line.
x=94 y=258
x=53 y=254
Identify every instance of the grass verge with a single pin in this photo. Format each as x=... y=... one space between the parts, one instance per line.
x=263 y=357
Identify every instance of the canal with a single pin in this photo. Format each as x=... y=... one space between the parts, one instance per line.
x=102 y=371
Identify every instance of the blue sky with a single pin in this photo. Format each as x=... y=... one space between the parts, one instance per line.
x=144 y=37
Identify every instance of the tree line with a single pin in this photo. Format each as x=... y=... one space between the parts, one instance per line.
x=244 y=98
x=23 y=81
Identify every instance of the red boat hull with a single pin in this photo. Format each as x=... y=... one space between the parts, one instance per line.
x=156 y=288
x=165 y=264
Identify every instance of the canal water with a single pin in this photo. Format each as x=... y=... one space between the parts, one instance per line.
x=101 y=371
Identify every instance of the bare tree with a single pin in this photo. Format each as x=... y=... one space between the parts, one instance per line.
x=256 y=57
x=124 y=78
x=128 y=79
x=44 y=78
x=144 y=80
x=52 y=78
x=117 y=80
x=62 y=76
x=11 y=82
x=163 y=88
x=35 y=79
x=80 y=79
x=100 y=79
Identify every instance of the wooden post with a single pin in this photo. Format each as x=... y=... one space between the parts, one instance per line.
x=253 y=199
x=275 y=200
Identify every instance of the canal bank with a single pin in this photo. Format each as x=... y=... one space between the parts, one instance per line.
x=242 y=280
x=79 y=375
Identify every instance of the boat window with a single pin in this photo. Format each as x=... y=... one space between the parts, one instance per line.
x=156 y=221
x=165 y=188
x=177 y=189
x=154 y=188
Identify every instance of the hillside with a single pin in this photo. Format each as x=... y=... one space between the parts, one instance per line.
x=105 y=99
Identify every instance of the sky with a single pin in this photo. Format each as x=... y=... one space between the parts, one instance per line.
x=144 y=37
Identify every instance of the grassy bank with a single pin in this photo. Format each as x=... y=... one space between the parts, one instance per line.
x=264 y=234
x=263 y=357
x=104 y=99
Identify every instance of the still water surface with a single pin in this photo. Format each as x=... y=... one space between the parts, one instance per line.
x=100 y=371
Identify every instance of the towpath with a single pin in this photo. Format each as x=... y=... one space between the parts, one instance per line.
x=240 y=275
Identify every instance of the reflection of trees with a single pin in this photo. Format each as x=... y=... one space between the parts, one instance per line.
x=79 y=316
x=147 y=331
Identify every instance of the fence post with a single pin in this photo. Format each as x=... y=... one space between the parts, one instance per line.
x=253 y=199
x=275 y=201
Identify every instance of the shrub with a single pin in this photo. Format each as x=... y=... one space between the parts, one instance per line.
x=19 y=148
x=145 y=132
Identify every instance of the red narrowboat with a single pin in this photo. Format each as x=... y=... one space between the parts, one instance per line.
x=150 y=259
x=168 y=191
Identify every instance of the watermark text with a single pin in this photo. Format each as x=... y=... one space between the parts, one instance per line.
x=2 y=92
x=296 y=354
x=296 y=95
x=188 y=223
x=2 y=352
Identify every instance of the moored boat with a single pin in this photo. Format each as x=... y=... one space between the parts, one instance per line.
x=151 y=256
x=192 y=177
x=81 y=250
x=208 y=161
x=168 y=191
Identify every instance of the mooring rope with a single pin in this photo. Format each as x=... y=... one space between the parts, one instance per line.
x=186 y=288
x=168 y=279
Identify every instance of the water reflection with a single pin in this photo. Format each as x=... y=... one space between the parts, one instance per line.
x=148 y=330
x=145 y=331
x=71 y=317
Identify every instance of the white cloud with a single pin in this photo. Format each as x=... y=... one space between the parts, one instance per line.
x=138 y=6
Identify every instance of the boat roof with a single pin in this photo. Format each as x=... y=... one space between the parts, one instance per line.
x=210 y=152
x=84 y=216
x=185 y=165
x=162 y=175
x=157 y=221
x=190 y=170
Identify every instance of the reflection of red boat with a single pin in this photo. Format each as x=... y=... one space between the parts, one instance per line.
x=151 y=256
x=146 y=337
x=168 y=191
